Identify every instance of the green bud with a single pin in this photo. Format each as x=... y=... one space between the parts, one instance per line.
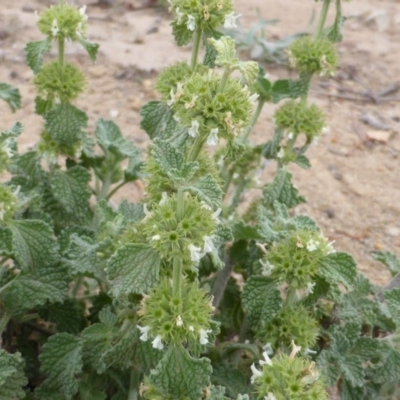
x=65 y=82
x=183 y=318
x=293 y=323
x=63 y=21
x=298 y=117
x=288 y=377
x=296 y=259
x=8 y=204
x=187 y=237
x=311 y=56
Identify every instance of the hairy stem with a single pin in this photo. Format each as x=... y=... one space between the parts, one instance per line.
x=195 y=149
x=221 y=282
x=115 y=190
x=61 y=42
x=134 y=384
x=176 y=276
x=322 y=18
x=224 y=79
x=3 y=323
x=104 y=189
x=236 y=195
x=196 y=47
x=253 y=121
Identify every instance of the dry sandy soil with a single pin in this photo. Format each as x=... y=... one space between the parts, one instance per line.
x=353 y=188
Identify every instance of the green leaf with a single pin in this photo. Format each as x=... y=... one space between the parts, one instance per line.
x=271 y=148
x=261 y=300
x=167 y=156
x=34 y=53
x=28 y=166
x=302 y=161
x=264 y=87
x=35 y=288
x=158 y=121
x=339 y=268
x=181 y=34
x=206 y=189
x=109 y=138
x=389 y=260
x=241 y=230
x=334 y=32
x=280 y=90
x=180 y=375
x=70 y=189
x=282 y=190
x=65 y=122
x=392 y=298
x=234 y=381
x=131 y=212
x=42 y=105
x=5 y=242
x=61 y=361
x=91 y=48
x=134 y=268
x=12 y=376
x=217 y=393
x=11 y=96
x=33 y=242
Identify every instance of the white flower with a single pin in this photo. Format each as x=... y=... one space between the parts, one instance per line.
x=176 y=118
x=2 y=211
x=147 y=213
x=295 y=350
x=215 y=214
x=230 y=20
x=270 y=396
x=179 y=16
x=192 y=102
x=310 y=288
x=164 y=198
x=208 y=244
x=191 y=23
x=325 y=130
x=290 y=135
x=6 y=147
x=266 y=360
x=312 y=245
x=54 y=28
x=268 y=349
x=235 y=175
x=144 y=330
x=157 y=343
x=195 y=253
x=82 y=11
x=179 y=321
x=330 y=248
x=281 y=153
x=256 y=373
x=171 y=101
x=156 y=237
x=191 y=328
x=79 y=29
x=194 y=129
x=253 y=98
x=212 y=139
x=204 y=335
x=308 y=351
x=205 y=205
x=267 y=268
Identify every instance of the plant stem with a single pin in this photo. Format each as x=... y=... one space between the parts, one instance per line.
x=134 y=384
x=77 y=286
x=221 y=282
x=253 y=121
x=243 y=330
x=291 y=297
x=176 y=276
x=224 y=79
x=61 y=41
x=3 y=323
x=196 y=47
x=111 y=194
x=228 y=181
x=104 y=189
x=236 y=196
x=196 y=148
x=322 y=18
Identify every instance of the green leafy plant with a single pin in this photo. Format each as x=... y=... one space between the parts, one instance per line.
x=183 y=296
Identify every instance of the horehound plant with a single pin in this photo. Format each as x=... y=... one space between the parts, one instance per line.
x=182 y=296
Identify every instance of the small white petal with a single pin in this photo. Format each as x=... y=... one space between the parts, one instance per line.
x=253 y=98
x=309 y=351
x=156 y=237
x=268 y=349
x=54 y=28
x=290 y=135
x=281 y=153
x=191 y=328
x=157 y=343
x=230 y=20
x=256 y=373
x=204 y=335
x=179 y=321
x=312 y=245
x=144 y=330
x=164 y=198
x=270 y=396
x=194 y=129
x=267 y=361
x=179 y=16
x=208 y=244
x=215 y=214
x=147 y=213
x=267 y=268
x=191 y=23
x=205 y=205
x=195 y=253
x=82 y=11
x=295 y=349
x=212 y=139
x=310 y=288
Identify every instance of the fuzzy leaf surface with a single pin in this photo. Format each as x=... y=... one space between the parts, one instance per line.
x=70 y=189
x=179 y=375
x=206 y=189
x=134 y=268
x=339 y=268
x=33 y=243
x=61 y=361
x=11 y=96
x=65 y=122
x=261 y=300
x=392 y=298
x=12 y=376
x=282 y=190
x=5 y=242
x=232 y=379
x=91 y=48
x=389 y=260
x=34 y=53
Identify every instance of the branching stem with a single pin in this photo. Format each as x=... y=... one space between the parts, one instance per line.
x=322 y=18
x=196 y=47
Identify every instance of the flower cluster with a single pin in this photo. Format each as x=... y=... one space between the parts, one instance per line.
x=288 y=377
x=311 y=56
x=293 y=323
x=298 y=117
x=203 y=15
x=8 y=204
x=183 y=318
x=188 y=236
x=296 y=259
x=63 y=21
x=8 y=148
x=65 y=82
x=210 y=109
